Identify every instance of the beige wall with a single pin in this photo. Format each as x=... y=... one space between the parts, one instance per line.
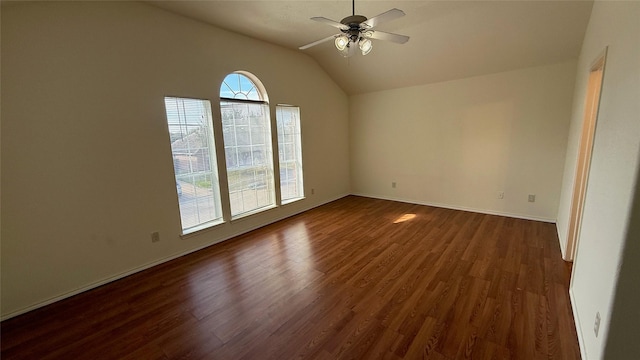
x=87 y=172
x=622 y=338
x=458 y=143
x=86 y=168
x=606 y=232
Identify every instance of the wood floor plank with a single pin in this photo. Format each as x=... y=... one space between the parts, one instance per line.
x=357 y=278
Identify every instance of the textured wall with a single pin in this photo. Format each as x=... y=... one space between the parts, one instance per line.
x=458 y=143
x=87 y=171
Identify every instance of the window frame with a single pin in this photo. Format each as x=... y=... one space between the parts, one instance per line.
x=297 y=144
x=270 y=176
x=213 y=170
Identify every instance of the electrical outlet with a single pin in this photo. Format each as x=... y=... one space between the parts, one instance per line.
x=313 y=191
x=155 y=237
x=393 y=184
x=596 y=325
x=500 y=194
x=532 y=198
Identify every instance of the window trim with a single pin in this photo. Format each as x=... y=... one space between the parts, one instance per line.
x=215 y=171
x=264 y=101
x=302 y=196
x=244 y=101
x=202 y=227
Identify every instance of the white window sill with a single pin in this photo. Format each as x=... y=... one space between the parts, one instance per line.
x=253 y=212
x=201 y=228
x=289 y=201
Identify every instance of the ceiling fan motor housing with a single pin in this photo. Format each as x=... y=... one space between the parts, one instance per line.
x=353 y=22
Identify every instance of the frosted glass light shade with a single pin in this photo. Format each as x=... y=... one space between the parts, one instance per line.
x=365 y=46
x=341 y=42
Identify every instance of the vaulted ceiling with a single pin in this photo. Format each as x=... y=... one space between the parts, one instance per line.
x=449 y=39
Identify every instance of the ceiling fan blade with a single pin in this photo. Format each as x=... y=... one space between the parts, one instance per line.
x=381 y=35
x=384 y=17
x=304 y=47
x=330 y=22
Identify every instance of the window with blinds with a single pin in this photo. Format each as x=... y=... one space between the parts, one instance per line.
x=247 y=140
x=194 y=162
x=289 y=153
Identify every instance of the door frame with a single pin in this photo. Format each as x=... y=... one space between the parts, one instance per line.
x=585 y=150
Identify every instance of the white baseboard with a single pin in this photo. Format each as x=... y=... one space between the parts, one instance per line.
x=155 y=263
x=563 y=245
x=462 y=208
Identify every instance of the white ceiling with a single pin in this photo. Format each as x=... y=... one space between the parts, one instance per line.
x=449 y=39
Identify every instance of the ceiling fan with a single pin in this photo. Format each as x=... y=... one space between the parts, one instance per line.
x=357 y=31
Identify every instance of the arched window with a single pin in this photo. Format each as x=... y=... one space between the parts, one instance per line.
x=238 y=86
x=247 y=140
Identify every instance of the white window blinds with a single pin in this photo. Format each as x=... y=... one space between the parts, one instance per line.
x=289 y=153
x=194 y=162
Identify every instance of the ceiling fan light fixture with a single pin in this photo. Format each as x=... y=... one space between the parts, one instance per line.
x=342 y=42
x=365 y=46
x=357 y=32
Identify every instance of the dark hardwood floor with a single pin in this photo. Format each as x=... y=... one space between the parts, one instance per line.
x=357 y=278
